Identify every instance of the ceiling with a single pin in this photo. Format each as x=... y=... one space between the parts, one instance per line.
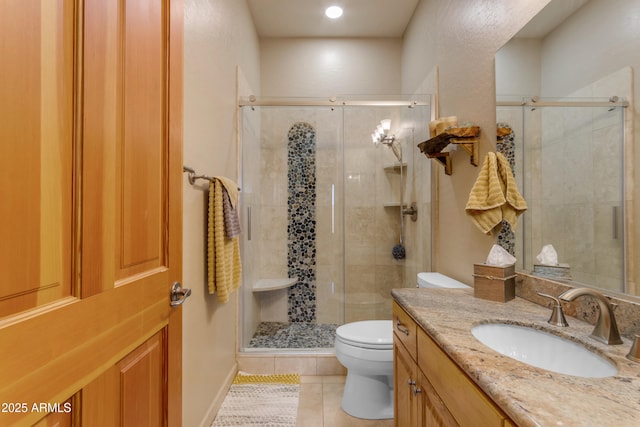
x=305 y=18
x=370 y=18
x=550 y=17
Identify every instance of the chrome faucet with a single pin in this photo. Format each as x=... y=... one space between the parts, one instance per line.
x=606 y=329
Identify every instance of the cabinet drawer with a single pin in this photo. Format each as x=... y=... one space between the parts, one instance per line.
x=464 y=399
x=404 y=328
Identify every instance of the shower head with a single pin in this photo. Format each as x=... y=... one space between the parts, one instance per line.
x=387 y=140
x=397 y=150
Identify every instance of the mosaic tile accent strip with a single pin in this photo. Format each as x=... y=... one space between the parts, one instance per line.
x=301 y=228
x=293 y=335
x=506 y=146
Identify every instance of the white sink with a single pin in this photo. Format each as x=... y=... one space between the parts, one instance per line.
x=543 y=350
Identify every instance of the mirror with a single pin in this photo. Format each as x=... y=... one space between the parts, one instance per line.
x=555 y=83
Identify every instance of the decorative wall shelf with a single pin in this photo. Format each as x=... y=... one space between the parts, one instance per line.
x=264 y=285
x=471 y=146
x=444 y=159
x=466 y=137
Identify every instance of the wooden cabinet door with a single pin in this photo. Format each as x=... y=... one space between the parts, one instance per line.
x=90 y=211
x=405 y=375
x=432 y=412
x=462 y=398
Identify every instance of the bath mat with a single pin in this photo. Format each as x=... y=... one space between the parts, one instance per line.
x=260 y=400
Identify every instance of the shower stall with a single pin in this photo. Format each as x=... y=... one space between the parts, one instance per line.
x=321 y=213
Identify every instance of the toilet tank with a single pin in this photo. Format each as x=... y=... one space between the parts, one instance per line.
x=437 y=280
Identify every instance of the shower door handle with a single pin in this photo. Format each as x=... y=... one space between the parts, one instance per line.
x=248 y=222
x=615 y=222
x=333 y=208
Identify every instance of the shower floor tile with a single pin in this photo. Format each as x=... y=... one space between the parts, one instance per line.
x=293 y=335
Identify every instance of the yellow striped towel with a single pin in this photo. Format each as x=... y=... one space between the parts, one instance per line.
x=224 y=268
x=495 y=196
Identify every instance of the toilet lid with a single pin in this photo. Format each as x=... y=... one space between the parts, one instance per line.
x=376 y=334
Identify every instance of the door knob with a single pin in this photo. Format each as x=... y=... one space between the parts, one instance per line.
x=178 y=294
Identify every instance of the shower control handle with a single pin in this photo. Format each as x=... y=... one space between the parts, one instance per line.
x=402 y=328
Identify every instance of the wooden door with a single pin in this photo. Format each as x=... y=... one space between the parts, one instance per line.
x=90 y=212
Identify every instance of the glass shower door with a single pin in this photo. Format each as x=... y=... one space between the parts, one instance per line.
x=293 y=247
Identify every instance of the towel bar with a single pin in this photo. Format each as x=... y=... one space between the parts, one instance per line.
x=192 y=176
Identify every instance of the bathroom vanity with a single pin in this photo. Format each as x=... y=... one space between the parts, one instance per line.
x=444 y=376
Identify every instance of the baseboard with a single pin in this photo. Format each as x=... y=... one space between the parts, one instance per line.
x=217 y=401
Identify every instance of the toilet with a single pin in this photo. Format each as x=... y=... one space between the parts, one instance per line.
x=365 y=348
x=437 y=280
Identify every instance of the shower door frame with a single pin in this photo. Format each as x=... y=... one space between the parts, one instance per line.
x=331 y=103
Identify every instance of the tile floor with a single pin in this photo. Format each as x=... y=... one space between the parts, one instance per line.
x=322 y=380
x=319 y=404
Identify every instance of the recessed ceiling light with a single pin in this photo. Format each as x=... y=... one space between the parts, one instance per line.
x=333 y=12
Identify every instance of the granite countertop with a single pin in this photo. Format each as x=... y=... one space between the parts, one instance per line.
x=529 y=395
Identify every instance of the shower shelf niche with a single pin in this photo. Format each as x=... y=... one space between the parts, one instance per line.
x=393 y=200
x=395 y=167
x=264 y=285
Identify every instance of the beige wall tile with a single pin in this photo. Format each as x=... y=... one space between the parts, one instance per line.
x=329 y=366
x=298 y=365
x=257 y=365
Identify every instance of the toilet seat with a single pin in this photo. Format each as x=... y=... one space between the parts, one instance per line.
x=370 y=334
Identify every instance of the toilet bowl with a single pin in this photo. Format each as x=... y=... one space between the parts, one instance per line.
x=365 y=348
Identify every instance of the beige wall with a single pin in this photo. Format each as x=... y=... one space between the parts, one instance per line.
x=518 y=69
x=325 y=67
x=460 y=38
x=219 y=37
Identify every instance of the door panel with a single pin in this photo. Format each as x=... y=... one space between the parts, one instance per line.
x=93 y=241
x=131 y=392
x=36 y=153
x=142 y=376
x=126 y=139
x=140 y=161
